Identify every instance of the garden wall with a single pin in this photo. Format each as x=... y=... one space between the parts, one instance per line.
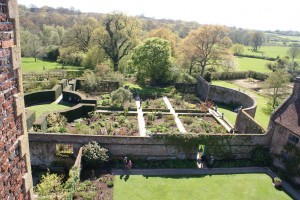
x=30 y=118
x=246 y=124
x=43 y=146
x=104 y=86
x=203 y=88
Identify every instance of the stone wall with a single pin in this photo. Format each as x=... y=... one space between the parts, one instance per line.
x=15 y=169
x=246 y=124
x=42 y=146
x=203 y=88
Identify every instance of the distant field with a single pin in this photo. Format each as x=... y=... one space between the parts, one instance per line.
x=259 y=65
x=28 y=64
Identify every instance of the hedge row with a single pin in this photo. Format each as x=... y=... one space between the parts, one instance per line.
x=189 y=111
x=114 y=108
x=41 y=96
x=30 y=118
x=258 y=57
x=78 y=111
x=239 y=75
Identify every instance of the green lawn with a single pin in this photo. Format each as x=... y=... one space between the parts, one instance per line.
x=239 y=186
x=48 y=107
x=261 y=116
x=28 y=64
x=228 y=113
x=258 y=65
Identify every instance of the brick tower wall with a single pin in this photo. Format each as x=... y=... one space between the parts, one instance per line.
x=15 y=170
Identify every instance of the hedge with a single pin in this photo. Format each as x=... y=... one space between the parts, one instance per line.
x=73 y=84
x=63 y=83
x=189 y=111
x=258 y=57
x=155 y=110
x=239 y=75
x=41 y=123
x=57 y=90
x=72 y=97
x=115 y=108
x=186 y=87
x=78 y=111
x=40 y=96
x=30 y=118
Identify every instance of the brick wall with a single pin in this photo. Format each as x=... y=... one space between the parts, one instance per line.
x=15 y=171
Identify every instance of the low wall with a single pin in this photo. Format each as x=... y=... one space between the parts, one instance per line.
x=104 y=86
x=42 y=146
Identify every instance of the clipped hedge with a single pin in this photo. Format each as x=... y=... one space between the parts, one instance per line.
x=63 y=83
x=78 y=111
x=189 y=111
x=57 y=91
x=258 y=75
x=73 y=84
x=30 y=118
x=41 y=123
x=229 y=75
x=258 y=57
x=72 y=97
x=40 y=96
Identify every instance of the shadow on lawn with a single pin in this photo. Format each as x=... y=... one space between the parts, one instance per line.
x=126 y=177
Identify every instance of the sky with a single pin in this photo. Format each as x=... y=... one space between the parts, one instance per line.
x=251 y=14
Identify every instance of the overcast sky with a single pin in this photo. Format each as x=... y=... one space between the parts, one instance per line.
x=253 y=14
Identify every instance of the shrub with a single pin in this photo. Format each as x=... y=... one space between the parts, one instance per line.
x=94 y=155
x=50 y=186
x=121 y=95
x=150 y=117
x=110 y=184
x=260 y=156
x=57 y=122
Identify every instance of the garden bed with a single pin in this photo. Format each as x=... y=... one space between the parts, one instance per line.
x=154 y=104
x=105 y=101
x=160 y=123
x=188 y=103
x=106 y=124
x=201 y=124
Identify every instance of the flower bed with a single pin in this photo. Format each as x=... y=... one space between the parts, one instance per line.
x=106 y=124
x=188 y=102
x=159 y=123
x=197 y=124
x=154 y=104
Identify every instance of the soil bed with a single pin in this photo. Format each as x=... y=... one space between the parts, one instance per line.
x=159 y=123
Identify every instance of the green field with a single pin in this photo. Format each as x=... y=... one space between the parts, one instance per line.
x=28 y=64
x=50 y=107
x=259 y=65
x=238 y=186
x=261 y=116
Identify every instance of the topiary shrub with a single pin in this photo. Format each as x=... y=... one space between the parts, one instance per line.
x=94 y=155
x=121 y=95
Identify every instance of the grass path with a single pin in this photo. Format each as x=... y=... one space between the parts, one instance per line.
x=261 y=116
x=48 y=107
x=239 y=186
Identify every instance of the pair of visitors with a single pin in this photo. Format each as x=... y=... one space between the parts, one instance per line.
x=127 y=164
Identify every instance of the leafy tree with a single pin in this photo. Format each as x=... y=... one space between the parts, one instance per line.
x=32 y=46
x=168 y=35
x=211 y=46
x=293 y=52
x=153 y=60
x=93 y=155
x=188 y=55
x=237 y=49
x=79 y=36
x=279 y=64
x=117 y=36
x=257 y=39
x=120 y=96
x=50 y=187
x=276 y=84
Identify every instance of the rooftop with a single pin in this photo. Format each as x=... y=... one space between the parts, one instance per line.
x=290 y=117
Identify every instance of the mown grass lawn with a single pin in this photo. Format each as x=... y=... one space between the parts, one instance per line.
x=253 y=64
x=237 y=186
x=48 y=107
x=261 y=116
x=28 y=64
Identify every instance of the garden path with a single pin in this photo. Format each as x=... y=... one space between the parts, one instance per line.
x=172 y=111
x=59 y=99
x=141 y=120
x=221 y=120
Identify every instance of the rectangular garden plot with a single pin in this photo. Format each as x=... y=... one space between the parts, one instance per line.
x=107 y=124
x=201 y=124
x=159 y=123
x=154 y=104
x=105 y=103
x=188 y=103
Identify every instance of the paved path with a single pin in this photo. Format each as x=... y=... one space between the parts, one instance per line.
x=59 y=99
x=172 y=111
x=208 y=171
x=141 y=119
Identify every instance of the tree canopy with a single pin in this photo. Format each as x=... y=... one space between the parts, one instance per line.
x=153 y=60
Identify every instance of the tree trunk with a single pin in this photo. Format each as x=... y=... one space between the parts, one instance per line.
x=202 y=70
x=191 y=67
x=34 y=58
x=116 y=65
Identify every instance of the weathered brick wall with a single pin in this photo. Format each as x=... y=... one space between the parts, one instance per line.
x=15 y=170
